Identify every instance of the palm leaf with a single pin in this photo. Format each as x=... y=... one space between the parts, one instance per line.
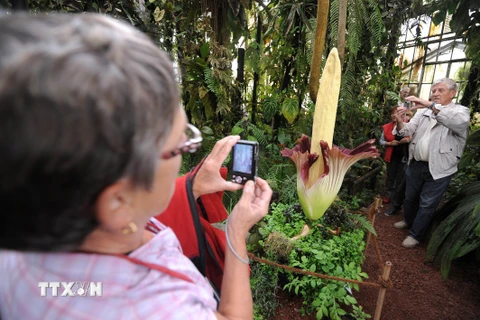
x=459 y=243
x=442 y=234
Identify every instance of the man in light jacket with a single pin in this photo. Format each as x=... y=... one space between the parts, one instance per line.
x=439 y=130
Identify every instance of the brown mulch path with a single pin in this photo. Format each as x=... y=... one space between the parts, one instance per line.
x=419 y=291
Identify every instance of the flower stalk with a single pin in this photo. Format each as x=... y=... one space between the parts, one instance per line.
x=321 y=170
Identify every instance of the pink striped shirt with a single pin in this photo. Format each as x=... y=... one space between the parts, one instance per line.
x=130 y=291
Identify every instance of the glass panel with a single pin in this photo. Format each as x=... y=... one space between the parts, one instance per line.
x=447 y=29
x=413 y=88
x=440 y=71
x=425 y=26
x=435 y=30
x=428 y=73
x=416 y=71
x=419 y=53
x=408 y=56
x=458 y=50
x=405 y=75
x=401 y=54
x=445 y=50
x=458 y=71
x=410 y=29
x=425 y=91
x=432 y=50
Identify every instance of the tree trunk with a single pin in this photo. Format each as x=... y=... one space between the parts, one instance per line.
x=256 y=76
x=318 y=45
x=342 y=24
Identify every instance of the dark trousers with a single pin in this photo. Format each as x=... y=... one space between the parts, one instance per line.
x=422 y=196
x=395 y=175
x=399 y=194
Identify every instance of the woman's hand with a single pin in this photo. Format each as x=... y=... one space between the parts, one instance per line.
x=251 y=208
x=405 y=140
x=393 y=143
x=208 y=179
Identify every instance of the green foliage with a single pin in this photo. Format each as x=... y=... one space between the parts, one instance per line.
x=320 y=252
x=465 y=21
x=290 y=109
x=264 y=285
x=456 y=235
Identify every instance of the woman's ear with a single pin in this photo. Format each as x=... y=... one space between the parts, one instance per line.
x=113 y=208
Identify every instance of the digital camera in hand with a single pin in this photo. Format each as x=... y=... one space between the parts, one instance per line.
x=245 y=159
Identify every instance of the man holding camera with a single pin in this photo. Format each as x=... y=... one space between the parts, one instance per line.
x=439 y=131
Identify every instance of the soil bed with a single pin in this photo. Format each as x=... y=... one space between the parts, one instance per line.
x=418 y=292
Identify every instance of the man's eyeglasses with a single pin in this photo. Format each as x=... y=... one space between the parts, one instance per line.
x=194 y=138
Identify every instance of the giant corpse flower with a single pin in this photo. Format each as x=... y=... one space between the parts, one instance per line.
x=317 y=192
x=320 y=170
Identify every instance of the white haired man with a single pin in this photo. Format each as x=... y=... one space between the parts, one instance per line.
x=439 y=130
x=404 y=93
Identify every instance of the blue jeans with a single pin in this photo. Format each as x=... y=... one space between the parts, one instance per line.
x=422 y=196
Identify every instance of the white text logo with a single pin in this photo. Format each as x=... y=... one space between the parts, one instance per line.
x=70 y=289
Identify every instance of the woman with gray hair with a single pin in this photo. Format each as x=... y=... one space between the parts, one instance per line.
x=91 y=137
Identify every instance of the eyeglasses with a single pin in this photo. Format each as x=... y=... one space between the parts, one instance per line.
x=194 y=138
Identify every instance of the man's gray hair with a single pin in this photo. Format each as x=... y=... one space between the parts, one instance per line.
x=451 y=84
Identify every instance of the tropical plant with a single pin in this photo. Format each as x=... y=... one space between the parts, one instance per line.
x=320 y=170
x=322 y=252
x=459 y=232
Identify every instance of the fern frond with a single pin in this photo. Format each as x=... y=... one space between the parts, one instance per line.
x=348 y=83
x=363 y=222
x=210 y=80
x=375 y=24
x=310 y=36
x=355 y=28
x=333 y=22
x=259 y=134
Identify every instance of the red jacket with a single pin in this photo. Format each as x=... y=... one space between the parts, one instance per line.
x=389 y=136
x=201 y=242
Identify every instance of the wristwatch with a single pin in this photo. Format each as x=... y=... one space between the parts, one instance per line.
x=431 y=106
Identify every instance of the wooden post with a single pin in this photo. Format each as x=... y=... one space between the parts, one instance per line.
x=372 y=213
x=381 y=294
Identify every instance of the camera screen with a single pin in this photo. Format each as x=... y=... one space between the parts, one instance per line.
x=242 y=160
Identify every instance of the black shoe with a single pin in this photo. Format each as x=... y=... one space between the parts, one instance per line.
x=392 y=211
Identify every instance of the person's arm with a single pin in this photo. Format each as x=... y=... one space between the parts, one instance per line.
x=456 y=119
x=406 y=129
x=383 y=142
x=236 y=301
x=419 y=103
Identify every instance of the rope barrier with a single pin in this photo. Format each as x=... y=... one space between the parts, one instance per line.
x=381 y=283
